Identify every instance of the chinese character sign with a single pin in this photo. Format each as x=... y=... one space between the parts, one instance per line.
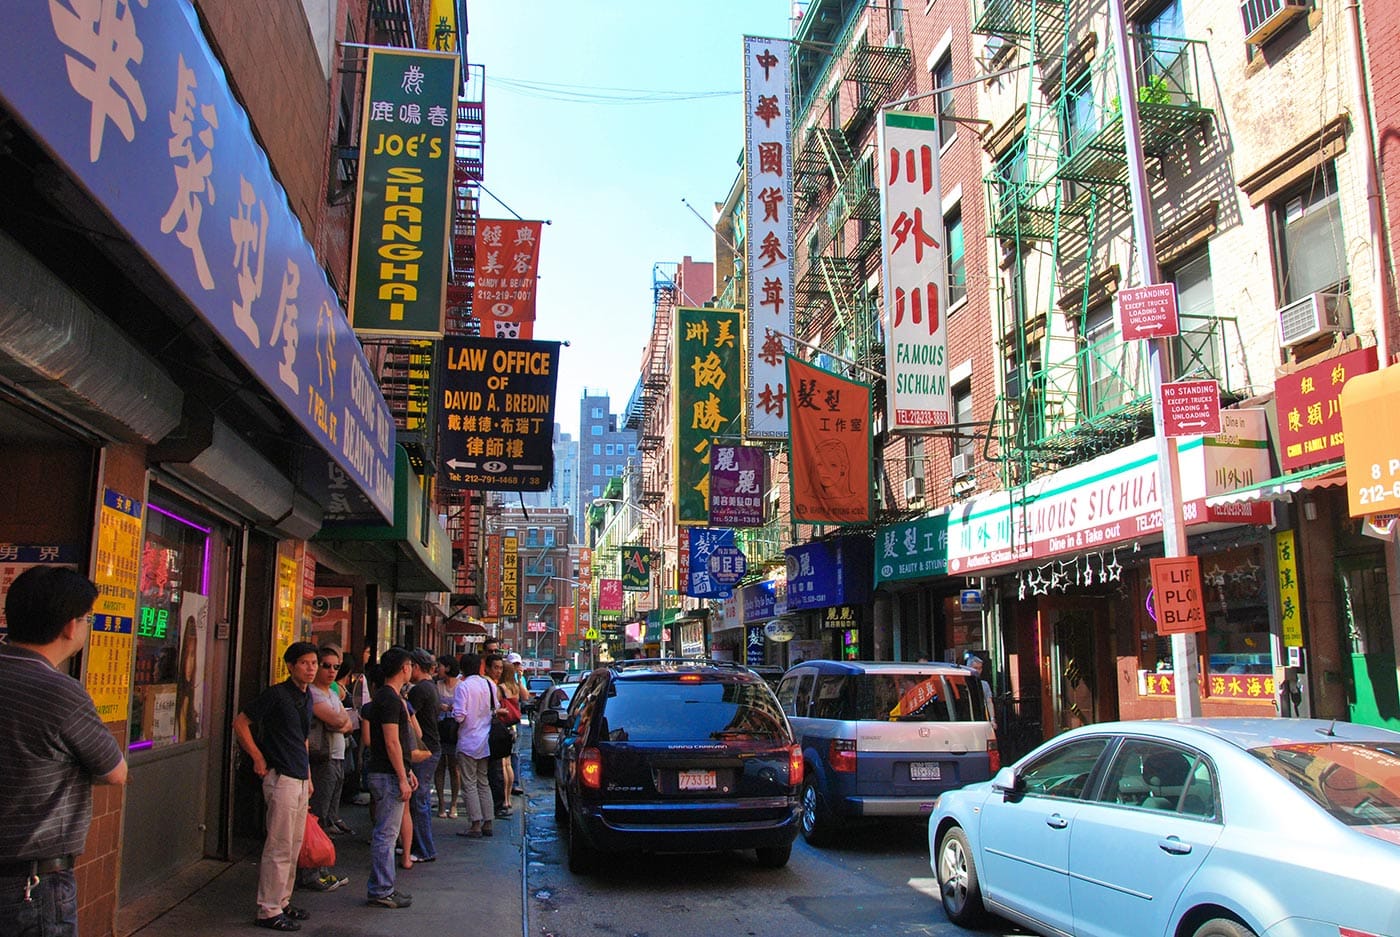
x=912 y=550
x=635 y=572
x=398 y=269
x=708 y=395
x=492 y=610
x=768 y=204
x=130 y=99
x=442 y=25
x=1290 y=602
x=585 y=589
x=610 y=595
x=507 y=259
x=738 y=481
x=496 y=419
x=1310 y=409
x=911 y=249
x=714 y=564
x=510 y=577
x=829 y=423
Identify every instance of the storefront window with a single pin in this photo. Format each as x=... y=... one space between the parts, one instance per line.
x=1237 y=617
x=172 y=631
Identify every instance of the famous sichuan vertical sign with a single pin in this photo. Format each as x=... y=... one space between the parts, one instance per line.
x=708 y=401
x=911 y=216
x=768 y=200
x=398 y=280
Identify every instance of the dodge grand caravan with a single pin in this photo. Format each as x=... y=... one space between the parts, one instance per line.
x=884 y=739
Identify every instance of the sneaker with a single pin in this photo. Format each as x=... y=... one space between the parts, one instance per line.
x=395 y=899
x=333 y=881
x=278 y=922
x=295 y=913
x=322 y=883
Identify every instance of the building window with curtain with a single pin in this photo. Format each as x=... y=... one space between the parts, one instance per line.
x=957 y=256
x=1309 y=250
x=942 y=76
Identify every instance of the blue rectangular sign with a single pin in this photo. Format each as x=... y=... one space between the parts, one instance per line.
x=759 y=601
x=827 y=573
x=131 y=100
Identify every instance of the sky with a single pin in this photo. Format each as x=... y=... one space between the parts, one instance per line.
x=572 y=138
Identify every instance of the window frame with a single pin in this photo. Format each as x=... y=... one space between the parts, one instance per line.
x=1279 y=208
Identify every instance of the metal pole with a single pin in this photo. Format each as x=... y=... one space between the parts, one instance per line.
x=1185 y=663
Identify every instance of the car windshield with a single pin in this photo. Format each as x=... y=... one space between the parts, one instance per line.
x=913 y=697
x=1356 y=782
x=670 y=711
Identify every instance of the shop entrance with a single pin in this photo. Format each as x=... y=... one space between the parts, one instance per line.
x=1070 y=641
x=1374 y=697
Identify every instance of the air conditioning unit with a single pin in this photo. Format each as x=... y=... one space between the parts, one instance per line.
x=913 y=488
x=961 y=465
x=1263 y=18
x=1313 y=315
x=895 y=39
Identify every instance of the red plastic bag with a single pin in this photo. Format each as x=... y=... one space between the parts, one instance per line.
x=317 y=850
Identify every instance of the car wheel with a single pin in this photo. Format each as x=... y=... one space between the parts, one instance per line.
x=538 y=763
x=774 y=857
x=957 y=880
x=818 y=823
x=1223 y=927
x=583 y=858
x=560 y=811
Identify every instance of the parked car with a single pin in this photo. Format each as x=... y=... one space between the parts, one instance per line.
x=675 y=756
x=537 y=686
x=1203 y=828
x=544 y=736
x=771 y=674
x=884 y=739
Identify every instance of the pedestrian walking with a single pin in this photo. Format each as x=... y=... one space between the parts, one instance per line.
x=472 y=707
x=326 y=748
x=508 y=688
x=423 y=698
x=282 y=714
x=449 y=675
x=391 y=781
x=55 y=749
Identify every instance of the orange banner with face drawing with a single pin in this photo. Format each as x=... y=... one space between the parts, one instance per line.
x=829 y=425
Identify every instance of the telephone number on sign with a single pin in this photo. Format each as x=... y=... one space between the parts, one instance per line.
x=1375 y=494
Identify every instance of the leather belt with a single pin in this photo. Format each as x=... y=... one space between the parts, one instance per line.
x=31 y=867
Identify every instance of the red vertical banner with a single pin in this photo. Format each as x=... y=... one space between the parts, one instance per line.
x=492 y=611
x=566 y=622
x=829 y=424
x=507 y=261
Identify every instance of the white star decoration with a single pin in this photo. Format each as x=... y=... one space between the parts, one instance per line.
x=1058 y=579
x=1113 y=570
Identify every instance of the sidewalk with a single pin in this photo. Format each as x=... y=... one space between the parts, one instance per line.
x=476 y=880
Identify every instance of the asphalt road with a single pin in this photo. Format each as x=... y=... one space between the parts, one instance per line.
x=877 y=881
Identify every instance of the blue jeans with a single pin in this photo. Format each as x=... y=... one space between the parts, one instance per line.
x=423 y=845
x=51 y=911
x=388 y=817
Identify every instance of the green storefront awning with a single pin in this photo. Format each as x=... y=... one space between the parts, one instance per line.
x=1327 y=475
x=412 y=554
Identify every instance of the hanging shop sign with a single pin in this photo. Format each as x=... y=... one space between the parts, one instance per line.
x=585 y=588
x=117 y=575
x=916 y=549
x=828 y=572
x=442 y=25
x=840 y=617
x=779 y=630
x=492 y=610
x=496 y=422
x=635 y=568
x=738 y=480
x=753 y=645
x=768 y=200
x=1177 y=597
x=399 y=265
x=1290 y=602
x=138 y=110
x=510 y=577
x=714 y=562
x=1372 y=446
x=758 y=601
x=610 y=596
x=507 y=266
x=1112 y=499
x=829 y=423
x=708 y=390
x=911 y=252
x=1310 y=428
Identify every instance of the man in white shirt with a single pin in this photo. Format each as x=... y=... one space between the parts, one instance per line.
x=474 y=706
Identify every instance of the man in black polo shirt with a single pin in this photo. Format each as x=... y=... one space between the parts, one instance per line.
x=283 y=716
x=55 y=748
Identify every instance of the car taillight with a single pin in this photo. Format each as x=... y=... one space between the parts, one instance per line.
x=1353 y=932
x=590 y=768
x=795 y=765
x=843 y=755
x=993 y=755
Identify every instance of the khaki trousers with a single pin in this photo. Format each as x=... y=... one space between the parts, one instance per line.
x=286 y=824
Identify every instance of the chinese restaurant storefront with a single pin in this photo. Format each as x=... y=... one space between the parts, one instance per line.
x=828 y=593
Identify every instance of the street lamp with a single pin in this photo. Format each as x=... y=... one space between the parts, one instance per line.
x=658 y=601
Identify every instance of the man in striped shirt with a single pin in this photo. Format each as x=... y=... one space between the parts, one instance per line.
x=55 y=748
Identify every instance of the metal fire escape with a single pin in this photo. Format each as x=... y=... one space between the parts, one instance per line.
x=655 y=384
x=1057 y=199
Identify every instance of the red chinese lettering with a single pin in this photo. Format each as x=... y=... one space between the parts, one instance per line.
x=915 y=300
x=916 y=166
x=771 y=250
x=771 y=198
x=773 y=294
x=771 y=400
x=904 y=226
x=766 y=60
x=767 y=109
x=770 y=158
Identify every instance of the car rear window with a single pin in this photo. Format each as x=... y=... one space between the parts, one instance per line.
x=671 y=711
x=1356 y=782
x=902 y=697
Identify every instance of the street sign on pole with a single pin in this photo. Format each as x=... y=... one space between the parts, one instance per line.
x=1148 y=311
x=1191 y=408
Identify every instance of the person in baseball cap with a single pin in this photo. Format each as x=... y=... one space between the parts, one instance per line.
x=514 y=658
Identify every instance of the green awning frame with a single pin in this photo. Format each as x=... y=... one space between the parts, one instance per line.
x=1327 y=475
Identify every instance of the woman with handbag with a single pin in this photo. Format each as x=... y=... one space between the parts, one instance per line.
x=510 y=699
x=326 y=746
x=448 y=678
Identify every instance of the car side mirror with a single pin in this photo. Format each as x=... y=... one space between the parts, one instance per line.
x=1007 y=782
x=550 y=717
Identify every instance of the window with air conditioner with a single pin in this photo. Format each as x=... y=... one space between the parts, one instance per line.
x=1309 y=245
x=1263 y=18
x=913 y=489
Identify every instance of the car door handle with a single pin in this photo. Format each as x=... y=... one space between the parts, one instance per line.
x=1174 y=846
x=1056 y=822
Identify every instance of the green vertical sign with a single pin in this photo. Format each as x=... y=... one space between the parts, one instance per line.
x=709 y=401
x=398 y=277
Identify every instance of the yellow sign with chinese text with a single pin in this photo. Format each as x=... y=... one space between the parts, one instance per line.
x=1289 y=602
x=117 y=574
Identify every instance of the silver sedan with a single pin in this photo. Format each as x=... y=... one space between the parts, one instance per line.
x=1197 y=828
